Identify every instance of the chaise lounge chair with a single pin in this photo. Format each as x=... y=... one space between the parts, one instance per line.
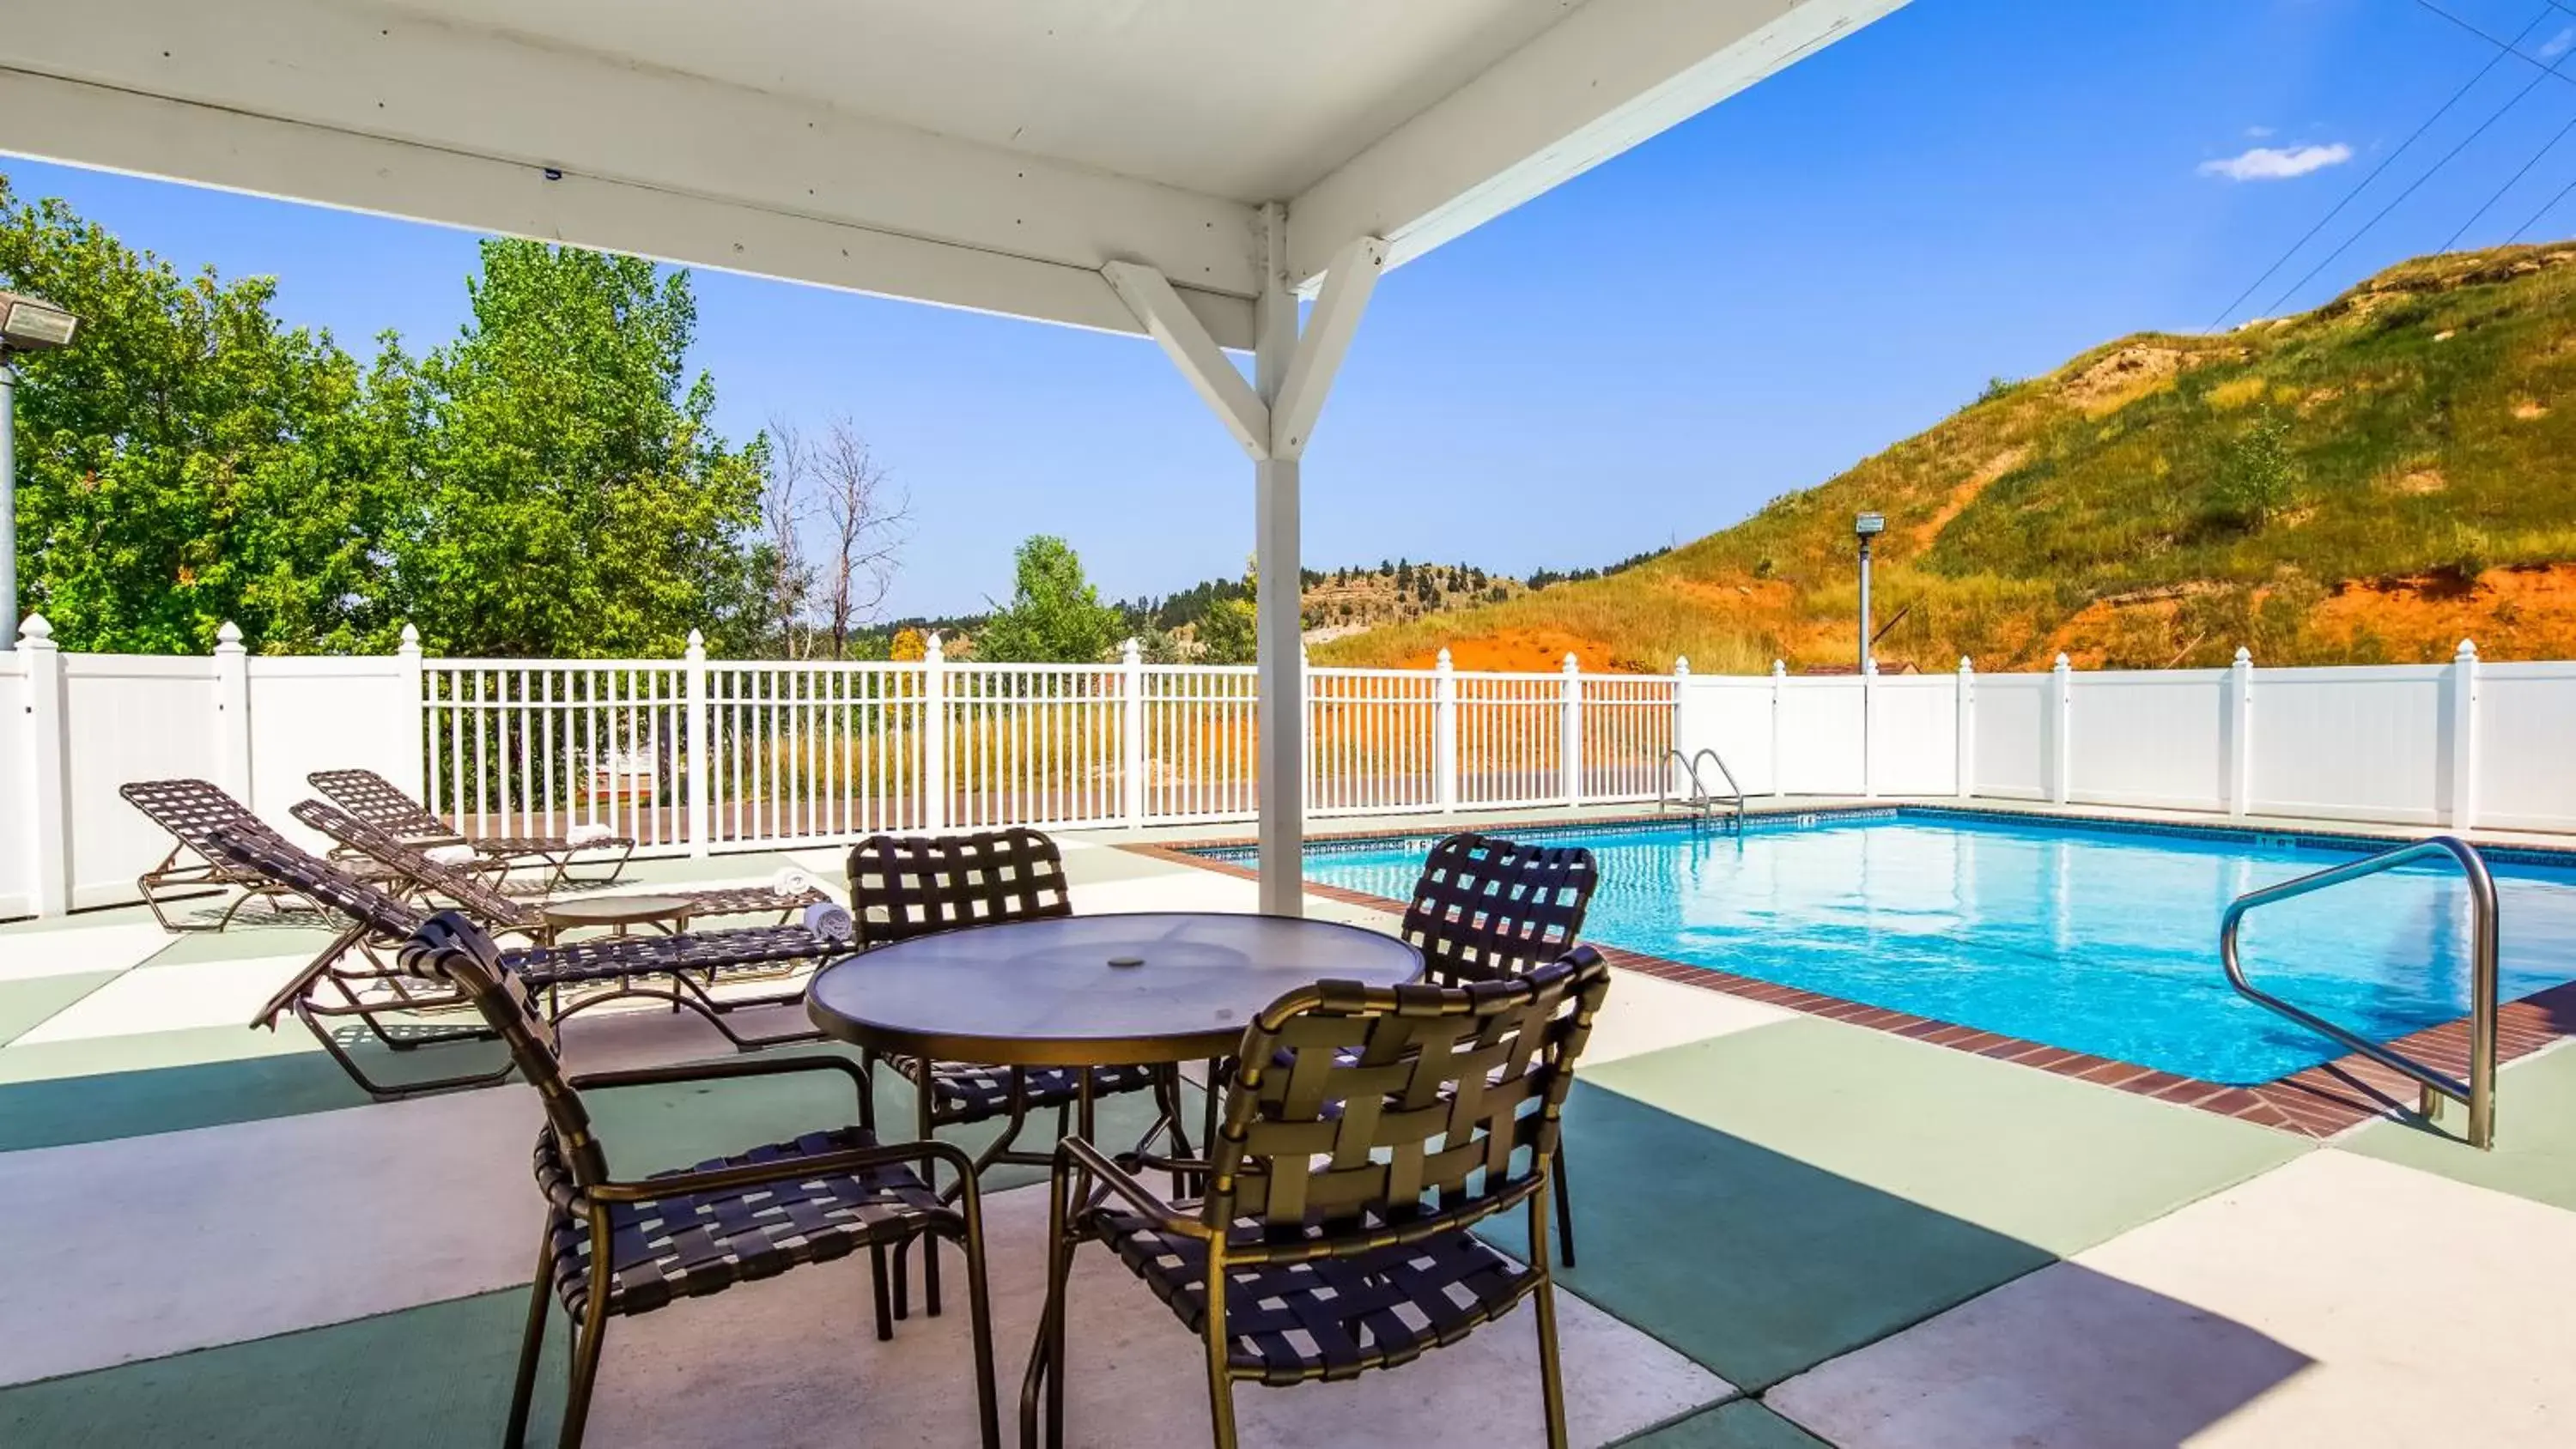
x=191 y=810
x=349 y=977
x=378 y=801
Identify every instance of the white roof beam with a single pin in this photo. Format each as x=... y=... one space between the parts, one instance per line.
x=1326 y=340
x=1210 y=373
x=1611 y=74
x=712 y=150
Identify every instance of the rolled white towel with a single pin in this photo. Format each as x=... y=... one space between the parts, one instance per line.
x=829 y=921
x=589 y=832
x=792 y=881
x=450 y=854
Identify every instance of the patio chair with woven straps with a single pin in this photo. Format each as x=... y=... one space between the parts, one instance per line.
x=1488 y=909
x=434 y=882
x=350 y=979
x=1366 y=1131
x=613 y=1247
x=381 y=803
x=906 y=886
x=191 y=810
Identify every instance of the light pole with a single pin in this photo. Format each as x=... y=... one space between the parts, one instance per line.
x=1866 y=527
x=26 y=325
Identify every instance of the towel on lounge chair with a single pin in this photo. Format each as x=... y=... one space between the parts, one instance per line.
x=830 y=921
x=453 y=854
x=589 y=833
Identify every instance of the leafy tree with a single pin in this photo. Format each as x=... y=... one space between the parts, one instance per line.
x=2257 y=478
x=191 y=460
x=1055 y=615
x=577 y=500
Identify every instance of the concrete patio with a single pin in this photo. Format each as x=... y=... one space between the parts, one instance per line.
x=1794 y=1232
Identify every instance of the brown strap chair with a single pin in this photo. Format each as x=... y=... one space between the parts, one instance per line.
x=1366 y=1131
x=434 y=882
x=349 y=979
x=1489 y=909
x=191 y=810
x=613 y=1247
x=381 y=803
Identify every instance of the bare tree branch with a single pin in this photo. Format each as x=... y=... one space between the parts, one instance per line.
x=863 y=515
x=785 y=506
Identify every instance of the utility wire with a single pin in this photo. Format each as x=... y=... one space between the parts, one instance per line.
x=2385 y=162
x=2546 y=208
x=2546 y=71
x=2510 y=182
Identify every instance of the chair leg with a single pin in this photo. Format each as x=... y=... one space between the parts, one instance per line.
x=1564 y=1210
x=585 y=1366
x=930 y=1274
x=979 y=1308
x=533 y=1345
x=1046 y=1355
x=1543 y=1303
x=1220 y=1383
x=878 y=1289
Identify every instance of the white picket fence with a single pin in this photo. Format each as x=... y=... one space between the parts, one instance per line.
x=697 y=755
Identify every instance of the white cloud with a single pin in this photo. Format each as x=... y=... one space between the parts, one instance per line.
x=2258 y=133
x=2277 y=163
x=2558 y=45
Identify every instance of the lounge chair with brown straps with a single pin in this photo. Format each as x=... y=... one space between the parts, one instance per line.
x=351 y=980
x=613 y=1247
x=191 y=810
x=435 y=883
x=381 y=803
x=1366 y=1132
x=1489 y=909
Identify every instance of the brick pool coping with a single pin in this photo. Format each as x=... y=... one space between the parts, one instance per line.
x=2319 y=1101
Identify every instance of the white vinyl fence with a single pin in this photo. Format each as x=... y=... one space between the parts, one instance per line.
x=697 y=755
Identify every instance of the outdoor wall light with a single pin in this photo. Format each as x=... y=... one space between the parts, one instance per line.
x=28 y=325
x=1866 y=527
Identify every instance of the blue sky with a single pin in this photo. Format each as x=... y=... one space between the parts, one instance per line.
x=1742 y=307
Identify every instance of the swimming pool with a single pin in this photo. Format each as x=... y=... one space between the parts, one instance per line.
x=2098 y=939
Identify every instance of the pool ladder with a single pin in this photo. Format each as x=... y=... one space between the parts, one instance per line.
x=2478 y=1092
x=1702 y=801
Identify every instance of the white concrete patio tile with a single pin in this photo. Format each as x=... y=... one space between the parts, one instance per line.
x=2336 y=1300
x=1645 y=1014
x=790 y=1362
x=146 y=1246
x=1184 y=890
x=30 y=954
x=171 y=998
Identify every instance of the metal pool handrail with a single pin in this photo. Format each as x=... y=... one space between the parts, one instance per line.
x=2478 y=1093
x=1701 y=798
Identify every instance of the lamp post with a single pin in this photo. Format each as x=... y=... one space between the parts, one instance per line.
x=26 y=325
x=1865 y=528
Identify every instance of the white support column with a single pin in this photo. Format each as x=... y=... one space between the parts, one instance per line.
x=1444 y=734
x=700 y=808
x=48 y=839
x=2464 y=737
x=2061 y=744
x=232 y=713
x=1131 y=732
x=412 y=775
x=1685 y=729
x=1570 y=734
x=1868 y=727
x=1272 y=420
x=934 y=735
x=1779 y=685
x=2240 y=732
x=1965 y=736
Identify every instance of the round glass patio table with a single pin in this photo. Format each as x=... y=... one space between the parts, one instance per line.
x=1092 y=991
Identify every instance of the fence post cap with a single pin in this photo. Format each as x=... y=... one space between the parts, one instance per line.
x=228 y=638
x=2468 y=653
x=36 y=630
x=410 y=639
x=932 y=649
x=1967 y=665
x=2244 y=656
x=1681 y=664
x=1131 y=651
x=1443 y=661
x=1572 y=664
x=1779 y=668
x=2062 y=663
x=697 y=644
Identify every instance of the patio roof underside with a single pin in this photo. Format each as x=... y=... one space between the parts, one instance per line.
x=990 y=154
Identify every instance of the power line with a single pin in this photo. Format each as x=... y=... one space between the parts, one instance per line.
x=2546 y=208
x=2510 y=183
x=2385 y=162
x=2546 y=72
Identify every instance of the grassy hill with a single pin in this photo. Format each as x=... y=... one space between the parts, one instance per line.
x=2368 y=482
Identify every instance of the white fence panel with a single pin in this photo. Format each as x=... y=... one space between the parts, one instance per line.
x=129 y=717
x=1033 y=744
x=1511 y=739
x=1199 y=742
x=2011 y=725
x=533 y=747
x=328 y=714
x=2526 y=746
x=1627 y=736
x=2351 y=744
x=1372 y=744
x=1733 y=717
x=1914 y=735
x=811 y=751
x=1821 y=736
x=2149 y=737
x=19 y=853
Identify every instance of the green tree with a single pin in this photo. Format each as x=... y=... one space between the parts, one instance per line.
x=1055 y=615
x=2257 y=477
x=576 y=499
x=192 y=460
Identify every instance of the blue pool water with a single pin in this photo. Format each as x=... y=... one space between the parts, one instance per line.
x=2095 y=939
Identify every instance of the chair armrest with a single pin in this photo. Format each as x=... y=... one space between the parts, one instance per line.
x=1073 y=1151
x=743 y=1067
x=786 y=1169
